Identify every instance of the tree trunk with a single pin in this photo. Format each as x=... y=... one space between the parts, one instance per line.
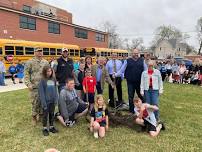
x=199 y=50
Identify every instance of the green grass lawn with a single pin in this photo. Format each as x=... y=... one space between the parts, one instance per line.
x=181 y=110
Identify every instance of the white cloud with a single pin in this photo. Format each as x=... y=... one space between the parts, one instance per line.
x=135 y=18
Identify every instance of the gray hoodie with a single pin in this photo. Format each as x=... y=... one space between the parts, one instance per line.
x=68 y=103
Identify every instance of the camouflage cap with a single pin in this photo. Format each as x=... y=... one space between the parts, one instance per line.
x=38 y=49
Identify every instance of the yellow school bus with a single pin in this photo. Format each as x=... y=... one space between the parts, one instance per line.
x=14 y=50
x=104 y=52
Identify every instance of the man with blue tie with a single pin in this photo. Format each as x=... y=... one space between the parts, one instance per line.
x=112 y=67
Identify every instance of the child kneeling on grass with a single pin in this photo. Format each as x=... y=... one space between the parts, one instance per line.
x=99 y=118
x=48 y=95
x=146 y=118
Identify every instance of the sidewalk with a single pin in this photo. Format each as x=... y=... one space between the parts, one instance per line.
x=12 y=87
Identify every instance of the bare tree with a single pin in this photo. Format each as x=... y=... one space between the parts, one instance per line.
x=133 y=44
x=199 y=34
x=137 y=42
x=190 y=49
x=114 y=39
x=169 y=32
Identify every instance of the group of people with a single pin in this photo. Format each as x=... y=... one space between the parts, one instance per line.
x=180 y=73
x=15 y=70
x=74 y=91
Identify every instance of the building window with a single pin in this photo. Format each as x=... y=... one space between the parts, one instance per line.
x=53 y=28
x=27 y=23
x=100 y=37
x=81 y=33
x=27 y=9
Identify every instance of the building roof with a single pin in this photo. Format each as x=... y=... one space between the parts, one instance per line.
x=173 y=42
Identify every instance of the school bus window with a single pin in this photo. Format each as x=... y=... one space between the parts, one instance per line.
x=1 y=52
x=109 y=54
x=98 y=54
x=102 y=53
x=76 y=52
x=71 y=52
x=52 y=51
x=45 y=51
x=19 y=50
x=9 y=50
x=59 y=51
x=29 y=51
x=119 y=54
x=82 y=54
x=90 y=53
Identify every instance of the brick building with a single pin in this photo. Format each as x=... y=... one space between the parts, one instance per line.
x=35 y=21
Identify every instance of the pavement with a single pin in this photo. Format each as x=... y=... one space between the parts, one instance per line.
x=12 y=87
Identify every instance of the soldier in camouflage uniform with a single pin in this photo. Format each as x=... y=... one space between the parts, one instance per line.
x=33 y=73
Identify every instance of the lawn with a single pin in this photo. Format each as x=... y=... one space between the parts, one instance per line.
x=181 y=110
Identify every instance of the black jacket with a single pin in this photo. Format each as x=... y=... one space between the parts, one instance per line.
x=64 y=70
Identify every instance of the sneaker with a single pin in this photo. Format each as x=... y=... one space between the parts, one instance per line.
x=70 y=123
x=163 y=126
x=45 y=132
x=53 y=130
x=56 y=116
x=143 y=128
x=95 y=134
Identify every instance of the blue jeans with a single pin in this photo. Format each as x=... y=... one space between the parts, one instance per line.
x=2 y=83
x=152 y=97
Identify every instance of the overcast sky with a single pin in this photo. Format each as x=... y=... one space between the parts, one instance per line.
x=135 y=18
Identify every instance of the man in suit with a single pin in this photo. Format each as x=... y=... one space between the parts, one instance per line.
x=112 y=67
x=99 y=71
